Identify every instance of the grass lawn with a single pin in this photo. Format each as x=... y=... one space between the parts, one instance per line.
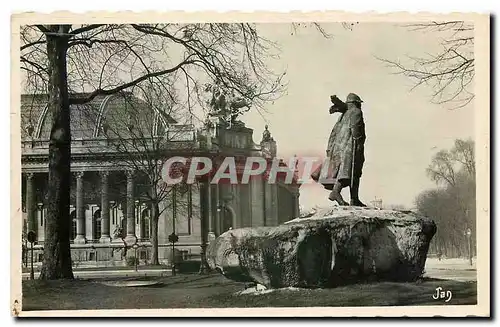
x=203 y=291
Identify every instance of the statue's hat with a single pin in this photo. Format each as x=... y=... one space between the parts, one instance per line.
x=351 y=97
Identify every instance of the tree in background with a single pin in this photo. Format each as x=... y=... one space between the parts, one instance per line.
x=450 y=74
x=450 y=71
x=452 y=205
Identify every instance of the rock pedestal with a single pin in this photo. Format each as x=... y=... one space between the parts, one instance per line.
x=334 y=246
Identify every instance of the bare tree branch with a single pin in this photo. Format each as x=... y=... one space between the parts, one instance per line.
x=27 y=45
x=43 y=29
x=129 y=84
x=85 y=29
x=449 y=73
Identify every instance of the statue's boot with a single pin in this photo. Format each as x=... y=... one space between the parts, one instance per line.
x=357 y=203
x=355 y=194
x=336 y=196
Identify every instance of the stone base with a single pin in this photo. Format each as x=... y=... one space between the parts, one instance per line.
x=333 y=246
x=130 y=240
x=105 y=239
x=80 y=239
x=116 y=240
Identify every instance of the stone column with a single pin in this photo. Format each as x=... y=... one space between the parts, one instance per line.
x=271 y=204
x=105 y=237
x=257 y=201
x=30 y=202
x=218 y=210
x=138 y=227
x=190 y=208
x=80 y=214
x=130 y=238
x=212 y=205
x=297 y=204
x=174 y=208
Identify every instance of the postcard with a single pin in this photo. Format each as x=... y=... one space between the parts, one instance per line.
x=263 y=164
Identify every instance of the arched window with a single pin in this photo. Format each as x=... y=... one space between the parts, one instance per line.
x=146 y=223
x=73 y=225
x=96 y=225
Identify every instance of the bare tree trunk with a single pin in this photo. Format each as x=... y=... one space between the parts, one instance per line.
x=57 y=252
x=155 y=215
x=205 y=216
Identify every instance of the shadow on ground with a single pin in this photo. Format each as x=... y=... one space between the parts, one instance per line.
x=205 y=291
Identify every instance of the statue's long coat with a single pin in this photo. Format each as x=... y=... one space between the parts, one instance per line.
x=350 y=126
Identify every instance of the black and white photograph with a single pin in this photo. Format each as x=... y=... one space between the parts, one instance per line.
x=263 y=164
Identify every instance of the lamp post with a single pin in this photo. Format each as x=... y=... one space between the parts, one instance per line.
x=469 y=234
x=25 y=251
x=220 y=218
x=173 y=238
x=32 y=239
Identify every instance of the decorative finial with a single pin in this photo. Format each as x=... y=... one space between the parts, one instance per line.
x=266 y=135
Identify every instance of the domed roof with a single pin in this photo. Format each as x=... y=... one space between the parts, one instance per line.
x=95 y=119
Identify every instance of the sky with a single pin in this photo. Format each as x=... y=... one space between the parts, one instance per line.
x=404 y=129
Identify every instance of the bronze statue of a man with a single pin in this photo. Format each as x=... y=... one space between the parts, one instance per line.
x=345 y=151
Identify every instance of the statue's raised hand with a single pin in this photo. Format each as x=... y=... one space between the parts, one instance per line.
x=338 y=105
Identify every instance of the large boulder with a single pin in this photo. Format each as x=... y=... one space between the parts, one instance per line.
x=333 y=246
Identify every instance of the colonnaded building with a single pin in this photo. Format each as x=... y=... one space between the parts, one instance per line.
x=113 y=148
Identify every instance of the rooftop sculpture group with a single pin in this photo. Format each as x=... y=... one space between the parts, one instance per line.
x=225 y=106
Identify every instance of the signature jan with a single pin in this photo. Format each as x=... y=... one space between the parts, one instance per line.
x=442 y=294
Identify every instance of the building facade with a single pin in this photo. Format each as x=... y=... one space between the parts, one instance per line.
x=111 y=184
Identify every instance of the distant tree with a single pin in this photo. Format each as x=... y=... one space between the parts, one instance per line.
x=447 y=164
x=463 y=153
x=453 y=204
x=442 y=168
x=450 y=71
